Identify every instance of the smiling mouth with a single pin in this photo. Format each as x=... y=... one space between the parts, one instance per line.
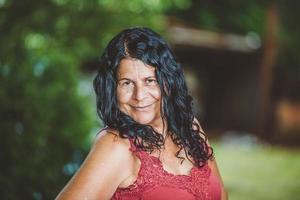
x=141 y=108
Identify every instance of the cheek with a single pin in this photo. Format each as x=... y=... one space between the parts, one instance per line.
x=156 y=94
x=123 y=97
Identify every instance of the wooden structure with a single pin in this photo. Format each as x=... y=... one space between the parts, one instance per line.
x=225 y=73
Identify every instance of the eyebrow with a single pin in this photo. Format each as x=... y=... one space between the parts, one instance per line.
x=131 y=80
x=124 y=79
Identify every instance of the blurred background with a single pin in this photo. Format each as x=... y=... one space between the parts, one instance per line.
x=241 y=61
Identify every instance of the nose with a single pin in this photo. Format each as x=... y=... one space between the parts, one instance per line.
x=140 y=92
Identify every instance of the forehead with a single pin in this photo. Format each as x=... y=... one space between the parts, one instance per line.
x=129 y=67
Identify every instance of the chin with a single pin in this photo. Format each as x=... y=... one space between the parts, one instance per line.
x=144 y=120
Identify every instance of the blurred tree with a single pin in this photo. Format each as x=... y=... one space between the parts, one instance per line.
x=248 y=16
x=43 y=119
x=289 y=60
x=232 y=16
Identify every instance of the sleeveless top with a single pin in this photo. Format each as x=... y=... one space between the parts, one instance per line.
x=155 y=183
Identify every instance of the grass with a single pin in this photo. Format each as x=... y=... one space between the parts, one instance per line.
x=259 y=172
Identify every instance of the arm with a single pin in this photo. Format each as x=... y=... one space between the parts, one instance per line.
x=106 y=166
x=212 y=163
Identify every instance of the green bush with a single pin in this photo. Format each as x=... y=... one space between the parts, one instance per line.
x=45 y=124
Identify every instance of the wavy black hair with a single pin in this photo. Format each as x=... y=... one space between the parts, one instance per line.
x=149 y=47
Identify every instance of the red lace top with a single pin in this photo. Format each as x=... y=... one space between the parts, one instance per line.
x=155 y=183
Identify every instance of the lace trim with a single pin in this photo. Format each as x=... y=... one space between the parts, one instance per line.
x=152 y=175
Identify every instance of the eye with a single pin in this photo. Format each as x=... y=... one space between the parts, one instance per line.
x=151 y=81
x=125 y=83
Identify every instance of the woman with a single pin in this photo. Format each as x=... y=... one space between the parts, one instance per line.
x=152 y=146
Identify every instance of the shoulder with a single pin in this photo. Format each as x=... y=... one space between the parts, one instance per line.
x=107 y=165
x=110 y=136
x=109 y=142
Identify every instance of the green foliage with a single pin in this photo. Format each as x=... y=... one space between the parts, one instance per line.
x=43 y=119
x=226 y=16
x=289 y=37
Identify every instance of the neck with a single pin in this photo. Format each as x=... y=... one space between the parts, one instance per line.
x=161 y=127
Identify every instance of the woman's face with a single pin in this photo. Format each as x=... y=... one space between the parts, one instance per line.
x=138 y=92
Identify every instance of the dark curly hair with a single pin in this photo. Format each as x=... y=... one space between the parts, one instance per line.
x=149 y=47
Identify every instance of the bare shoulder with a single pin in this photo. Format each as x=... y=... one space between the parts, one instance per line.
x=113 y=152
x=110 y=140
x=107 y=165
